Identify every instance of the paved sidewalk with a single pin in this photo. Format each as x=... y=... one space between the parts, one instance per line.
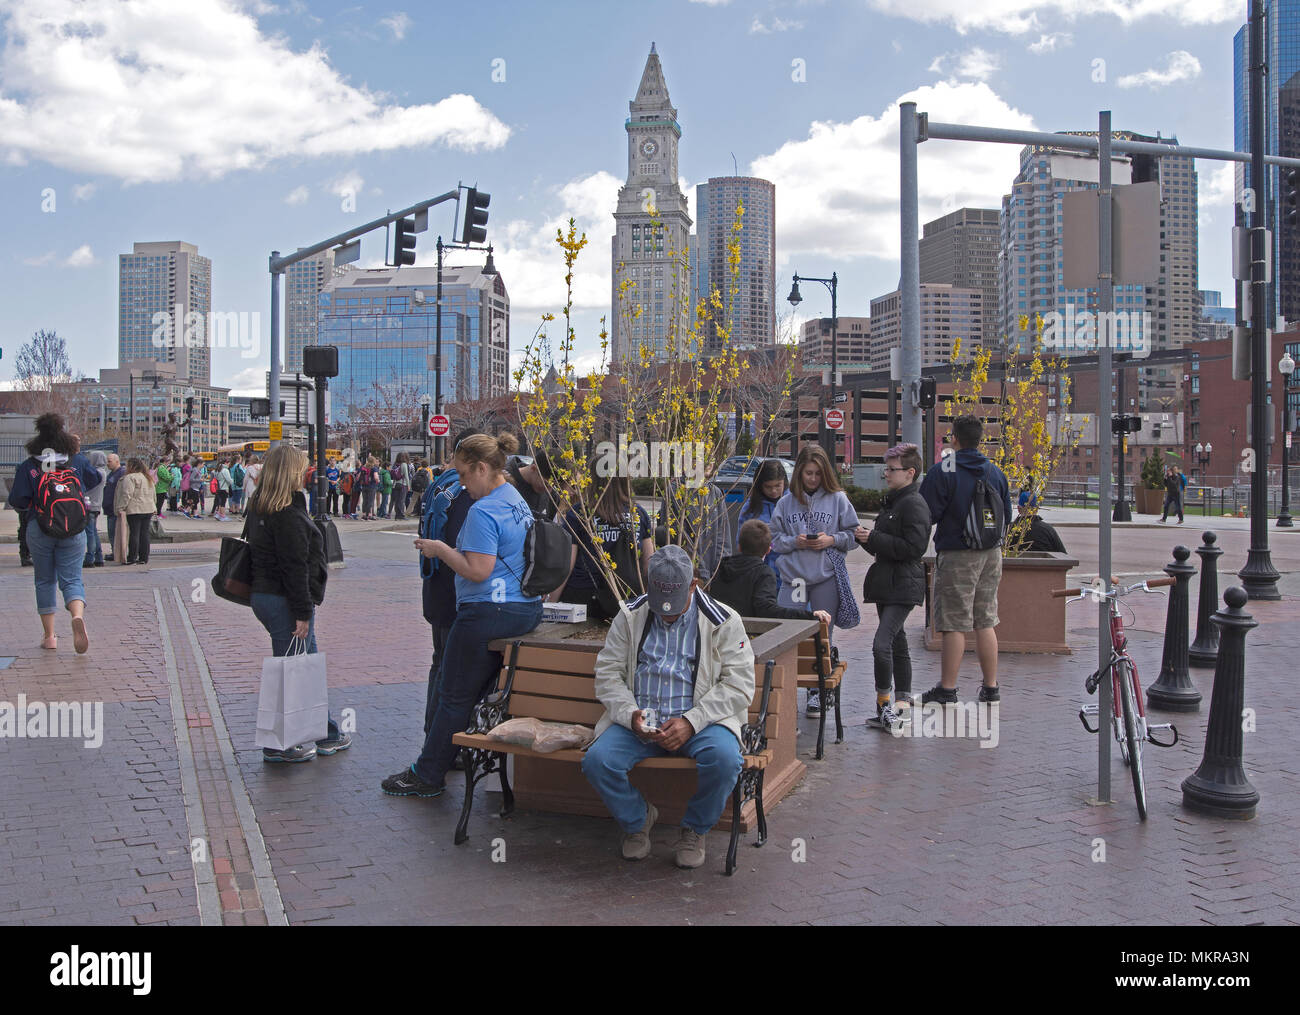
x=883 y=830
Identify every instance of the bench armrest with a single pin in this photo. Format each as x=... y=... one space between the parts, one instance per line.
x=753 y=736
x=493 y=710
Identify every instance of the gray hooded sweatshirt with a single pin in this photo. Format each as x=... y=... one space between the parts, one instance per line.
x=95 y=495
x=826 y=512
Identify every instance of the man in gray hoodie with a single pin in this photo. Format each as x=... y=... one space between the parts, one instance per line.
x=95 y=507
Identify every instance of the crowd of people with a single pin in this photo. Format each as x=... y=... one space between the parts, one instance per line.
x=676 y=674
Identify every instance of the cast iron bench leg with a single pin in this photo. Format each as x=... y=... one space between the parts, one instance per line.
x=735 y=828
x=507 y=795
x=839 y=723
x=471 y=765
x=821 y=719
x=762 y=818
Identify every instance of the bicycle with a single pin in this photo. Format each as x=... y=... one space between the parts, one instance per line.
x=1129 y=720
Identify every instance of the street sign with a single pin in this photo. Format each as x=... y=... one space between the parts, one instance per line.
x=439 y=426
x=1288 y=440
x=841 y=396
x=276 y=430
x=835 y=419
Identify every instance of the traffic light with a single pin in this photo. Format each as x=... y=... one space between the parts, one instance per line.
x=926 y=394
x=1290 y=195
x=476 y=216
x=404 y=241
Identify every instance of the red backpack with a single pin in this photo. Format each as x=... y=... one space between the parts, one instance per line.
x=60 y=503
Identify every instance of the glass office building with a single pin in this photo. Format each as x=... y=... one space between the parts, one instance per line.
x=752 y=310
x=383 y=322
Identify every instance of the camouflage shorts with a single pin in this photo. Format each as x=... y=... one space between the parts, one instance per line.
x=966 y=589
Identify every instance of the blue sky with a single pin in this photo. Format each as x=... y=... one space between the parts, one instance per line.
x=240 y=127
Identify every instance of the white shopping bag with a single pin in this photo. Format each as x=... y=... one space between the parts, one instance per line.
x=293 y=705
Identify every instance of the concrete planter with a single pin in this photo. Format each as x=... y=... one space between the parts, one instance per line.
x=1030 y=620
x=1149 y=502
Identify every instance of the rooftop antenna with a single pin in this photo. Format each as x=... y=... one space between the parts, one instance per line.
x=735 y=167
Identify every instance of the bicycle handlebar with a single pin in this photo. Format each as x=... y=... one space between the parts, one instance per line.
x=1145 y=586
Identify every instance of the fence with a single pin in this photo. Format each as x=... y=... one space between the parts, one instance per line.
x=1233 y=499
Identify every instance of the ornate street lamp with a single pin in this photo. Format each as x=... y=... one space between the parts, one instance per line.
x=1286 y=367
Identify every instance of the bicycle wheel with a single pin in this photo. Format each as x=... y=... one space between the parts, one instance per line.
x=1129 y=708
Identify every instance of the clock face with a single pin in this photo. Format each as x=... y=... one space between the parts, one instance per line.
x=648 y=147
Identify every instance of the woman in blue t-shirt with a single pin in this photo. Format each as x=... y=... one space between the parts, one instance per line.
x=488 y=560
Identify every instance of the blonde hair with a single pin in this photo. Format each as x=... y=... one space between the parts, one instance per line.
x=281 y=478
x=486 y=448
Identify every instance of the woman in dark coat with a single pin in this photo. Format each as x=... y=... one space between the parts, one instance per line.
x=895 y=582
x=289 y=573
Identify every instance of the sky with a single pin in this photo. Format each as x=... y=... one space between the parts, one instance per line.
x=247 y=127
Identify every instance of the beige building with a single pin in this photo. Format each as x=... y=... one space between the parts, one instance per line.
x=852 y=345
x=164 y=305
x=947 y=313
x=961 y=249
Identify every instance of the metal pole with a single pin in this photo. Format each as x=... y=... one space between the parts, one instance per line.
x=910 y=277
x=1284 y=514
x=131 y=377
x=1122 y=513
x=1105 y=303
x=1259 y=576
x=437 y=355
x=835 y=363
x=322 y=484
x=273 y=389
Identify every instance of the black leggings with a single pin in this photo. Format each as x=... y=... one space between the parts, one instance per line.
x=889 y=649
x=138 y=544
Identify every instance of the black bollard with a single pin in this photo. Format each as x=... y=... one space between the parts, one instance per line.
x=1220 y=786
x=1174 y=691
x=1205 y=648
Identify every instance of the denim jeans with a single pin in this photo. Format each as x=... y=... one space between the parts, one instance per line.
x=1174 y=501
x=889 y=649
x=383 y=504
x=473 y=674
x=368 y=500
x=435 y=676
x=273 y=613
x=94 y=552
x=58 y=566
x=717 y=765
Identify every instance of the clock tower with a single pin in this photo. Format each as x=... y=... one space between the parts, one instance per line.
x=652 y=229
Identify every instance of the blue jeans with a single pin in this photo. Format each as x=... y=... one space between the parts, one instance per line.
x=273 y=613
x=383 y=504
x=58 y=566
x=472 y=674
x=717 y=765
x=94 y=552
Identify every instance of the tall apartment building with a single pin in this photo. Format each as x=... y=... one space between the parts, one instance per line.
x=1031 y=263
x=383 y=322
x=961 y=249
x=947 y=313
x=1281 y=137
x=1216 y=319
x=303 y=282
x=650 y=247
x=752 y=310
x=852 y=342
x=159 y=286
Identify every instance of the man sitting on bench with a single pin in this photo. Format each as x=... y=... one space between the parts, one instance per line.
x=679 y=652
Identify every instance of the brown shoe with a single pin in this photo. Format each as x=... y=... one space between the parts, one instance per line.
x=637 y=845
x=689 y=849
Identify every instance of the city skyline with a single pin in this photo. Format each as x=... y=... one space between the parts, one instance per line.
x=808 y=117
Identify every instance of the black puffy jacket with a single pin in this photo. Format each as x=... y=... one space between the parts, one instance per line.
x=288 y=556
x=898 y=541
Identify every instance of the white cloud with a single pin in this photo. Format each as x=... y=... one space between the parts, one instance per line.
x=1015 y=17
x=976 y=64
x=297 y=196
x=1180 y=66
x=347 y=185
x=39 y=260
x=839 y=186
x=83 y=191
x=712 y=3
x=532 y=263
x=1049 y=42
x=399 y=24
x=898 y=46
x=757 y=27
x=247 y=383
x=155 y=90
x=82 y=257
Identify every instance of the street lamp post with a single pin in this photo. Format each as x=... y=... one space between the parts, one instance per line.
x=189 y=421
x=1203 y=459
x=424 y=424
x=1286 y=367
x=795 y=299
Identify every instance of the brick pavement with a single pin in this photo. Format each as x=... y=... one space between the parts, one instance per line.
x=895 y=831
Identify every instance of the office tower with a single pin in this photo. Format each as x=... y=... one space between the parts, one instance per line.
x=303 y=281
x=852 y=342
x=961 y=249
x=751 y=310
x=947 y=313
x=382 y=320
x=164 y=305
x=651 y=242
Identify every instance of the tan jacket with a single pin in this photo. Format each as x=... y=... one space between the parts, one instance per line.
x=135 y=495
x=724 y=681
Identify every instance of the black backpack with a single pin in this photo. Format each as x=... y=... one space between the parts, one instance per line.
x=547 y=549
x=60 y=503
x=986 y=518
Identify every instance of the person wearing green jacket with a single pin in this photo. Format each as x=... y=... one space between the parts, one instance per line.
x=386 y=491
x=163 y=484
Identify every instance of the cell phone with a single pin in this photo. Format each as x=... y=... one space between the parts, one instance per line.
x=649 y=720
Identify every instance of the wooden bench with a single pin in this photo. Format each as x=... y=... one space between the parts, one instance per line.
x=823 y=671
x=530 y=686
